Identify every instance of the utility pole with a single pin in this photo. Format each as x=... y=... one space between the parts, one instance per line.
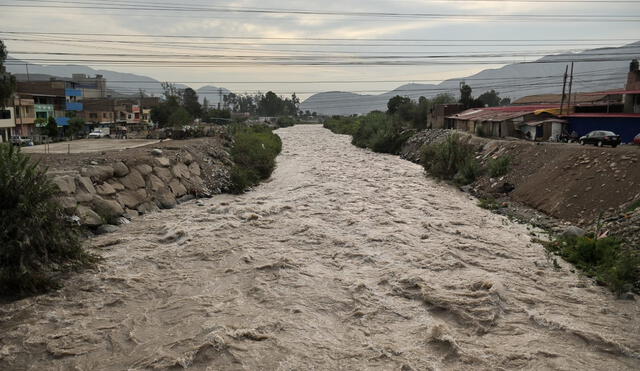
x=570 y=85
x=564 y=84
x=219 y=98
x=26 y=65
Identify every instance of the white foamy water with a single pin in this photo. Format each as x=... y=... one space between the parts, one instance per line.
x=345 y=260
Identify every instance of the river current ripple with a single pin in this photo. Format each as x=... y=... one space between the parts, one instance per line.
x=344 y=260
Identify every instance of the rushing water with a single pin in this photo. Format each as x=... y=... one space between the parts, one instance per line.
x=347 y=260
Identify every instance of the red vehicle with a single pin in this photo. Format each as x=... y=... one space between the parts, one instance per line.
x=636 y=139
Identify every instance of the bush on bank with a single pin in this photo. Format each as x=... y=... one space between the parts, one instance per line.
x=35 y=238
x=453 y=159
x=605 y=259
x=254 y=156
x=377 y=131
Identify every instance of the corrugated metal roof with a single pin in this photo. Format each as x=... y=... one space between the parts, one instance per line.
x=498 y=113
x=576 y=98
x=605 y=115
x=616 y=92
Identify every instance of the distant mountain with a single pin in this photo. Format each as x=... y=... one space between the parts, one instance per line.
x=513 y=80
x=213 y=94
x=119 y=82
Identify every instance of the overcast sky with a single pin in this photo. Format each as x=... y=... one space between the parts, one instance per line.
x=242 y=59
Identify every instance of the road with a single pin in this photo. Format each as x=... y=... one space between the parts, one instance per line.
x=89 y=145
x=344 y=260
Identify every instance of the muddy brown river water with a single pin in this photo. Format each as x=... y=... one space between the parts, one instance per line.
x=344 y=260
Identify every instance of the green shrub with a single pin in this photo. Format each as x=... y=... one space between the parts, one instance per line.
x=489 y=203
x=35 y=238
x=381 y=133
x=286 y=121
x=453 y=159
x=605 y=259
x=342 y=125
x=499 y=166
x=254 y=155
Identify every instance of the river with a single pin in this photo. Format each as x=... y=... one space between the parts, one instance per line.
x=344 y=260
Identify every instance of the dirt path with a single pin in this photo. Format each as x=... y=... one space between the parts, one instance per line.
x=345 y=260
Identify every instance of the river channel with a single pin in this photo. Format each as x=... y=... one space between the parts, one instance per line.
x=344 y=260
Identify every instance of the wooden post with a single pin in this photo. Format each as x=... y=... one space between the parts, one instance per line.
x=564 y=83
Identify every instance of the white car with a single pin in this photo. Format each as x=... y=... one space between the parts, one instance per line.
x=100 y=133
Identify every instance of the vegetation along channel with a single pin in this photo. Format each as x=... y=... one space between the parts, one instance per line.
x=344 y=258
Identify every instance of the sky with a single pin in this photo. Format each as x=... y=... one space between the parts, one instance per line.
x=366 y=46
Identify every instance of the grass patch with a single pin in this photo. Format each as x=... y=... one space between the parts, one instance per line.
x=286 y=121
x=254 y=155
x=499 y=166
x=605 y=259
x=489 y=204
x=634 y=205
x=36 y=240
x=453 y=159
x=342 y=125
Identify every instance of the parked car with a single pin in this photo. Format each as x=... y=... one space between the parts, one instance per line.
x=636 y=139
x=21 y=141
x=600 y=138
x=100 y=133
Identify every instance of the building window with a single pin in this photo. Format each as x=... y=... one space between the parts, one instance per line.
x=5 y=114
x=93 y=115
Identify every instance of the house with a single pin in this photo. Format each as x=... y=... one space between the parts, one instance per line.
x=437 y=114
x=53 y=98
x=527 y=122
x=7 y=123
x=118 y=110
x=25 y=116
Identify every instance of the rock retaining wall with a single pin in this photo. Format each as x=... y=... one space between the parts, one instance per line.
x=103 y=193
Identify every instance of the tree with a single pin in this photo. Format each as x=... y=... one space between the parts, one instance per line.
x=443 y=98
x=270 y=104
x=190 y=102
x=161 y=113
x=179 y=118
x=169 y=90
x=395 y=102
x=76 y=125
x=7 y=80
x=465 y=95
x=490 y=98
x=52 y=127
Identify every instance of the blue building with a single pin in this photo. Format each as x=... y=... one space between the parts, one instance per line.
x=627 y=125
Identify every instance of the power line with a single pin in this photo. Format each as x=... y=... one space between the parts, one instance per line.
x=519 y=17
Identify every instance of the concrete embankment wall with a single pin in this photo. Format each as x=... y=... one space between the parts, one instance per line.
x=102 y=193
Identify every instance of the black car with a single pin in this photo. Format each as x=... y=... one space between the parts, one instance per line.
x=600 y=138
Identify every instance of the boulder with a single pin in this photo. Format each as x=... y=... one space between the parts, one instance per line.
x=573 y=231
x=107 y=208
x=130 y=199
x=106 y=228
x=177 y=188
x=185 y=198
x=165 y=199
x=116 y=185
x=194 y=168
x=181 y=171
x=105 y=189
x=133 y=180
x=162 y=161
x=88 y=216
x=154 y=183
x=144 y=169
x=120 y=169
x=187 y=158
x=66 y=184
x=85 y=185
x=97 y=173
x=67 y=203
x=129 y=213
x=163 y=173
x=84 y=197
x=156 y=152
x=147 y=207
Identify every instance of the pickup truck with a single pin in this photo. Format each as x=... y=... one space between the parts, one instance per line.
x=100 y=133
